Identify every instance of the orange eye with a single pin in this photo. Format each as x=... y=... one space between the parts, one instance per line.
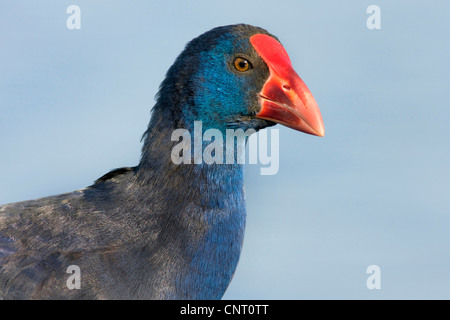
x=242 y=64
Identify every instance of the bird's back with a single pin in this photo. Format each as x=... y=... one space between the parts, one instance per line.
x=41 y=239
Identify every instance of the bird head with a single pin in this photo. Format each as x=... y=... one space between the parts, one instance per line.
x=238 y=76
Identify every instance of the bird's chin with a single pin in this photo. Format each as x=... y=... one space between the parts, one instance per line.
x=249 y=122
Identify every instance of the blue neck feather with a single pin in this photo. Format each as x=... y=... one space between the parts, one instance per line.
x=211 y=213
x=205 y=201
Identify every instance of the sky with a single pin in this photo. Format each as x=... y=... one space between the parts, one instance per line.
x=373 y=192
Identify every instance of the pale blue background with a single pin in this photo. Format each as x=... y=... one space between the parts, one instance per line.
x=375 y=190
